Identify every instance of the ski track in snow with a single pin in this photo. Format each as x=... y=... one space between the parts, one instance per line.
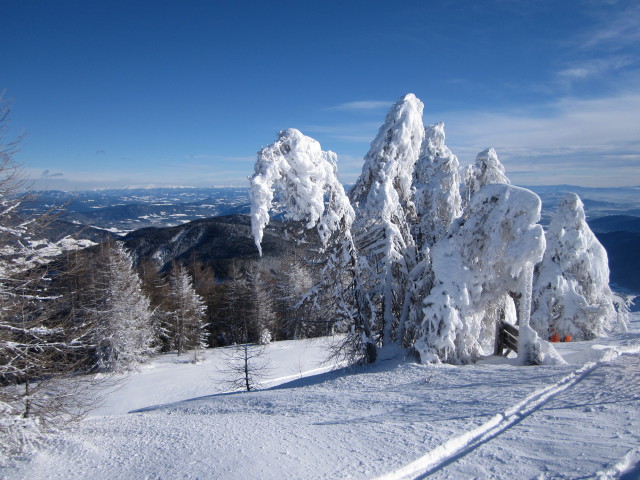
x=460 y=446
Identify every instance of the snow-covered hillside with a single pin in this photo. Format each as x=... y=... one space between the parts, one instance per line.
x=394 y=419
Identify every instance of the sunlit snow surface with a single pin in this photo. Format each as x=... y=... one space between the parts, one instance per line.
x=393 y=420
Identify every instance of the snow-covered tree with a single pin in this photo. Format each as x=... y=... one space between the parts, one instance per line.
x=302 y=178
x=187 y=327
x=436 y=184
x=436 y=181
x=120 y=315
x=382 y=197
x=40 y=348
x=262 y=314
x=293 y=281
x=297 y=177
x=485 y=261
x=487 y=170
x=571 y=294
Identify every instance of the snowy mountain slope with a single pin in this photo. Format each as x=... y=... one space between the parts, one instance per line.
x=390 y=420
x=214 y=241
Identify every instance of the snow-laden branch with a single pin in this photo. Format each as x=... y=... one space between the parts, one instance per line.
x=304 y=179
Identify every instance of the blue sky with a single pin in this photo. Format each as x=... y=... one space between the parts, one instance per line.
x=114 y=93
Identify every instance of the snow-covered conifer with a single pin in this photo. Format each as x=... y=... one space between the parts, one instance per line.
x=187 y=314
x=571 y=294
x=303 y=178
x=436 y=180
x=121 y=317
x=485 y=261
x=487 y=170
x=382 y=197
x=436 y=183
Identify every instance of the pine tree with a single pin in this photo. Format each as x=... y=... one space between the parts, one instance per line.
x=121 y=319
x=571 y=294
x=187 y=327
x=487 y=170
x=382 y=197
x=436 y=182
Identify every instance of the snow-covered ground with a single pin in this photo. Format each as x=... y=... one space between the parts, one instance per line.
x=391 y=420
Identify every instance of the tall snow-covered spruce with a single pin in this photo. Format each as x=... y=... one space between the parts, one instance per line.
x=187 y=313
x=436 y=185
x=571 y=294
x=383 y=200
x=436 y=182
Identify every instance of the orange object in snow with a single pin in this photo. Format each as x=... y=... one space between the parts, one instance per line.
x=555 y=337
x=567 y=338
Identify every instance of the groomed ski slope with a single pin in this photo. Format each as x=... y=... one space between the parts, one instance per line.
x=392 y=420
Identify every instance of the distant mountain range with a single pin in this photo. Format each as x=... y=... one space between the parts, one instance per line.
x=598 y=202
x=612 y=213
x=131 y=209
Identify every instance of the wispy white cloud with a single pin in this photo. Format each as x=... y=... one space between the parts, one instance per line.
x=349 y=168
x=620 y=30
x=364 y=105
x=592 y=140
x=602 y=57
x=595 y=67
